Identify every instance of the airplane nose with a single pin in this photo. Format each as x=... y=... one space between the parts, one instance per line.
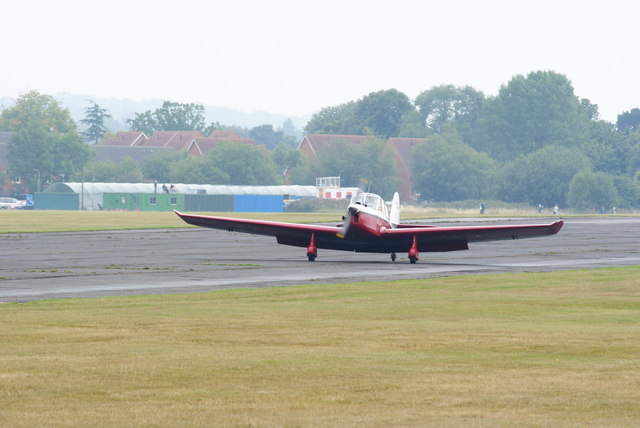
x=353 y=210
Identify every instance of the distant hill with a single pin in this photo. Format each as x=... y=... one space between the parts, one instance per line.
x=123 y=109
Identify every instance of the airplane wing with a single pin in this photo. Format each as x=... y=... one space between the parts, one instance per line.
x=285 y=233
x=434 y=238
x=429 y=238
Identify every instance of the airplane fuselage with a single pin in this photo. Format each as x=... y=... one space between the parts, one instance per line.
x=366 y=221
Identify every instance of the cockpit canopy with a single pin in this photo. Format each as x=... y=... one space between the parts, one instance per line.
x=370 y=200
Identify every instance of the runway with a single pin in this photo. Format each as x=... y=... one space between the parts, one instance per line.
x=117 y=263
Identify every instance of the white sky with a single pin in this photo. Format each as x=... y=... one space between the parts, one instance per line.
x=295 y=57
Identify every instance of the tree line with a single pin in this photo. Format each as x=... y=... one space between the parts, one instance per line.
x=535 y=142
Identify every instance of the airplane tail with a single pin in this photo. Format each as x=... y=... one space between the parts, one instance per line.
x=394 y=215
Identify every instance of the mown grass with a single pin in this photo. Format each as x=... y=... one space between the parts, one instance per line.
x=26 y=221
x=22 y=221
x=543 y=349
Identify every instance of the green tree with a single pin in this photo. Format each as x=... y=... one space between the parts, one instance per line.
x=94 y=121
x=286 y=156
x=46 y=140
x=144 y=122
x=448 y=104
x=532 y=112
x=213 y=126
x=592 y=191
x=266 y=136
x=412 y=126
x=158 y=166
x=633 y=155
x=334 y=120
x=381 y=113
x=197 y=170
x=628 y=191
x=101 y=172
x=42 y=109
x=607 y=148
x=446 y=169
x=628 y=121
x=289 y=129
x=541 y=177
x=244 y=164
x=127 y=171
x=170 y=117
x=305 y=172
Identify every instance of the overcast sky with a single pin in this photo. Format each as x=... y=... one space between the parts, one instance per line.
x=295 y=57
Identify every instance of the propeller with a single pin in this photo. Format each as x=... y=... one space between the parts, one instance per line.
x=394 y=215
x=351 y=211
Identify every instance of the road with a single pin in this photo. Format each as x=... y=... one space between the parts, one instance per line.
x=116 y=263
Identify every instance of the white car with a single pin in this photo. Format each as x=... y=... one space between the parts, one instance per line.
x=11 y=204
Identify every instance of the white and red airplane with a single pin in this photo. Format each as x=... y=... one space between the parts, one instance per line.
x=368 y=227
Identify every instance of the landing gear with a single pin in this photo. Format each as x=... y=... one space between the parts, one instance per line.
x=393 y=257
x=413 y=251
x=312 y=250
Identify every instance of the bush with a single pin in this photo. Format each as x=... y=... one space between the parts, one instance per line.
x=589 y=191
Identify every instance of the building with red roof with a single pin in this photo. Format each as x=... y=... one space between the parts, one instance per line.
x=179 y=140
x=127 y=139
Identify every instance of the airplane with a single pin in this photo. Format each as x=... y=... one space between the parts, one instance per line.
x=370 y=228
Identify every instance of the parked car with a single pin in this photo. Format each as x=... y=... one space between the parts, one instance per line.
x=11 y=204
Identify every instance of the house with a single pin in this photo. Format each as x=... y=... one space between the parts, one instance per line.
x=124 y=144
x=402 y=149
x=193 y=142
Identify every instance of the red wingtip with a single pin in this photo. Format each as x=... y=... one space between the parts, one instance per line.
x=555 y=227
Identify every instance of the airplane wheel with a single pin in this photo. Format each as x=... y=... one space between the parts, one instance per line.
x=311 y=257
x=393 y=257
x=413 y=260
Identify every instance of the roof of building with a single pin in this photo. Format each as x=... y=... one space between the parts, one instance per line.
x=224 y=134
x=126 y=138
x=200 y=146
x=95 y=188
x=315 y=142
x=404 y=147
x=179 y=140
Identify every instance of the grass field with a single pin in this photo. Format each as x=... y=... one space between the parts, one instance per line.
x=551 y=349
x=21 y=221
x=25 y=221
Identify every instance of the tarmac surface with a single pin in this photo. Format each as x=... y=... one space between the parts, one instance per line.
x=36 y=266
